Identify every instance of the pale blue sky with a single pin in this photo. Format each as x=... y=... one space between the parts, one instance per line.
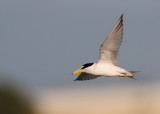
x=43 y=41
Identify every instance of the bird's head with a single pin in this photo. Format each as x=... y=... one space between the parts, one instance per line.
x=82 y=68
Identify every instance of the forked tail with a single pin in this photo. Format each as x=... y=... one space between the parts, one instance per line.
x=134 y=72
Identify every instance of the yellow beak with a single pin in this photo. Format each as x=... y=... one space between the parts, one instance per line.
x=77 y=71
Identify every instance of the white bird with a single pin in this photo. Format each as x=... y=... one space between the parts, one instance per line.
x=107 y=64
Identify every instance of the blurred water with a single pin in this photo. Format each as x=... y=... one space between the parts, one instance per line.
x=113 y=99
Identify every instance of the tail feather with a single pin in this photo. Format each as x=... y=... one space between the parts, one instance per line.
x=131 y=74
x=134 y=72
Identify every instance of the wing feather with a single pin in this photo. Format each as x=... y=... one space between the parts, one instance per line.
x=110 y=47
x=85 y=76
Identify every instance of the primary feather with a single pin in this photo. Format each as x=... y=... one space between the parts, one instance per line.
x=110 y=47
x=85 y=76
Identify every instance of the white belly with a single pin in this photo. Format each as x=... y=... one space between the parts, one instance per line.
x=105 y=70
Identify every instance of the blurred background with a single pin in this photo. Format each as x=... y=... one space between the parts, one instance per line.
x=43 y=41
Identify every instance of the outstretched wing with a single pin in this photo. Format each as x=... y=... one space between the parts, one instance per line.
x=110 y=47
x=85 y=76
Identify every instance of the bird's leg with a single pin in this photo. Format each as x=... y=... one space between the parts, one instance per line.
x=123 y=73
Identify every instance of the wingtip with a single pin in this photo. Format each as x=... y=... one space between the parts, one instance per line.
x=122 y=15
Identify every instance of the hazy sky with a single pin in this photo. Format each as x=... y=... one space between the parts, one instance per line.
x=43 y=41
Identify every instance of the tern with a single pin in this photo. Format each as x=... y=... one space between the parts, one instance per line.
x=107 y=65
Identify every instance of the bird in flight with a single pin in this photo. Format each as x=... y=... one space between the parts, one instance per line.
x=107 y=65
